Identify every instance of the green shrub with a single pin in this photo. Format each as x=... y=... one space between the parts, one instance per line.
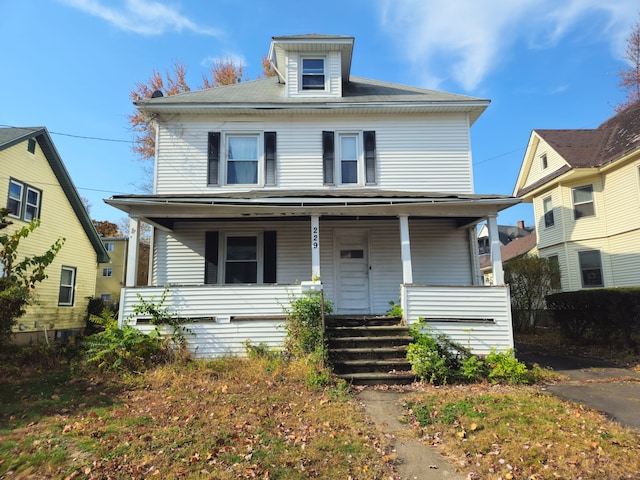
x=504 y=367
x=304 y=325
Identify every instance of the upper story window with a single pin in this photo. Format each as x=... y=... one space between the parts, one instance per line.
x=31 y=145
x=313 y=74
x=591 y=268
x=351 y=160
x=108 y=246
x=547 y=205
x=107 y=272
x=583 y=202
x=543 y=161
x=246 y=159
x=24 y=200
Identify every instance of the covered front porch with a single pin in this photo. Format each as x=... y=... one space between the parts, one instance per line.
x=363 y=251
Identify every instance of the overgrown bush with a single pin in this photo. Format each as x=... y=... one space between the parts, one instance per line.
x=304 y=324
x=438 y=360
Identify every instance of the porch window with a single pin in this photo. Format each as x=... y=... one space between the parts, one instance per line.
x=583 y=202
x=590 y=268
x=313 y=76
x=67 y=286
x=241 y=259
x=547 y=205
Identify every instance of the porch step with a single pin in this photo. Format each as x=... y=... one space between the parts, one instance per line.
x=369 y=350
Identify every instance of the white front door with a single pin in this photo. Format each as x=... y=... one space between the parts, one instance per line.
x=352 y=272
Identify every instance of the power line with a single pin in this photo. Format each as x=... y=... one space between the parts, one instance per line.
x=102 y=139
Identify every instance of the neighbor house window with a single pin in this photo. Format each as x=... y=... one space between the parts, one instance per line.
x=547 y=205
x=241 y=259
x=543 y=161
x=590 y=268
x=105 y=297
x=108 y=246
x=107 y=272
x=583 y=202
x=67 y=286
x=313 y=75
x=24 y=200
x=31 y=145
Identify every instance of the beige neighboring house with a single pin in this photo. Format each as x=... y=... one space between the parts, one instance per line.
x=585 y=190
x=111 y=275
x=35 y=184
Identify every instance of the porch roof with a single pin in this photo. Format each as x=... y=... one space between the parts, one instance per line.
x=164 y=210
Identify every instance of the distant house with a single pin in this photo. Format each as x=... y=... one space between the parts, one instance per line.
x=36 y=185
x=111 y=275
x=585 y=190
x=516 y=248
x=316 y=179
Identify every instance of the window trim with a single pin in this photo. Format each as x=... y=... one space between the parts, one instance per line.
x=24 y=204
x=71 y=286
x=359 y=160
x=548 y=214
x=576 y=214
x=582 y=269
x=302 y=74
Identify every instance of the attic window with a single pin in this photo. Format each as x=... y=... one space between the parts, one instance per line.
x=31 y=145
x=313 y=77
x=543 y=161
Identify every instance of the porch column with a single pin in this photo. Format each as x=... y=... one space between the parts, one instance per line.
x=405 y=250
x=315 y=247
x=132 y=252
x=475 y=256
x=496 y=256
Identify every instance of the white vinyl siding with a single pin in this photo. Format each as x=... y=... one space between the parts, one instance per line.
x=426 y=152
x=621 y=194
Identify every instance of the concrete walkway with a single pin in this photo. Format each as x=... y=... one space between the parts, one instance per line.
x=415 y=460
x=602 y=386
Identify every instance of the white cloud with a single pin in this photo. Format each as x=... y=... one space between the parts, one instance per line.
x=464 y=40
x=145 y=17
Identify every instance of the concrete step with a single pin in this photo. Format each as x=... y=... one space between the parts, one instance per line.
x=376 y=378
x=371 y=365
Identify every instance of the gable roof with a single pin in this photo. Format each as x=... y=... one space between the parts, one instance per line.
x=515 y=248
x=13 y=135
x=592 y=148
x=269 y=94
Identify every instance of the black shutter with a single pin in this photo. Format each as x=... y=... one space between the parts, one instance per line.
x=270 y=157
x=211 y=257
x=370 y=156
x=328 y=157
x=213 y=159
x=269 y=260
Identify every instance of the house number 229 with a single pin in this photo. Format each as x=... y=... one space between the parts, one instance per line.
x=314 y=238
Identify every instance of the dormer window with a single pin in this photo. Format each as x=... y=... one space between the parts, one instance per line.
x=313 y=75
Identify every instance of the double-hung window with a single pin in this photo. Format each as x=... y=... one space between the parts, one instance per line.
x=590 y=268
x=107 y=272
x=583 y=202
x=241 y=158
x=313 y=74
x=67 y=286
x=547 y=205
x=108 y=246
x=241 y=259
x=349 y=158
x=24 y=200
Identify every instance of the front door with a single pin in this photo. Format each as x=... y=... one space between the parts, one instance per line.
x=352 y=271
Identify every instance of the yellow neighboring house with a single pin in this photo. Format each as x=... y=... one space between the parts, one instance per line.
x=111 y=275
x=35 y=184
x=585 y=190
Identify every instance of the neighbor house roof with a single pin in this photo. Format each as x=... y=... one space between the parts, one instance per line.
x=611 y=141
x=514 y=249
x=14 y=135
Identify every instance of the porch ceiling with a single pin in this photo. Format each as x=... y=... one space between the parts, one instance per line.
x=163 y=210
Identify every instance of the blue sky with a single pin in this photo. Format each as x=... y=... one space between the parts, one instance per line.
x=69 y=65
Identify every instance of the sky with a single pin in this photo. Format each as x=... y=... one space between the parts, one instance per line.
x=69 y=65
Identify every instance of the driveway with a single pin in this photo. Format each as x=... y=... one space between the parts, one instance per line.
x=602 y=386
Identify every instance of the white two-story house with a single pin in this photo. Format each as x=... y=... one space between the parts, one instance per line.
x=363 y=186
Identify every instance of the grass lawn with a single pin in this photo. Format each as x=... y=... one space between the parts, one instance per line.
x=265 y=418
